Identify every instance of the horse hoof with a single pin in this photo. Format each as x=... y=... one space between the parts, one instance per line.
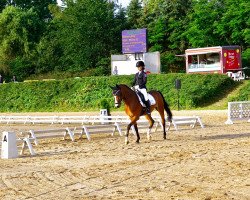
x=149 y=138
x=137 y=141
x=164 y=137
x=126 y=140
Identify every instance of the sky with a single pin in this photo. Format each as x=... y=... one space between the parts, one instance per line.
x=124 y=2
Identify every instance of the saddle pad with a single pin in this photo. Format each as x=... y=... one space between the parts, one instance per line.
x=150 y=98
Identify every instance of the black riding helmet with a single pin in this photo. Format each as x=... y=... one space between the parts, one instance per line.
x=140 y=64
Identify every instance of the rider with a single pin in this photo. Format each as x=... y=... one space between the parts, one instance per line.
x=140 y=81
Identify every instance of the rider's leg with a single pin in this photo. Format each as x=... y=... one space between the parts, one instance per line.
x=147 y=103
x=147 y=107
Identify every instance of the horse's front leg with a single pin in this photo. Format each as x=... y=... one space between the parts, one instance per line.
x=136 y=130
x=137 y=133
x=127 y=133
x=151 y=123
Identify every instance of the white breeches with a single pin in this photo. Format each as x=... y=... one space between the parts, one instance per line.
x=143 y=91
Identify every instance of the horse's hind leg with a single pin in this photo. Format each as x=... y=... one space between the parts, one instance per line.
x=151 y=123
x=161 y=112
x=164 y=127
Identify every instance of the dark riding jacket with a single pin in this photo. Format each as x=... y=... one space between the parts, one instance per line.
x=140 y=79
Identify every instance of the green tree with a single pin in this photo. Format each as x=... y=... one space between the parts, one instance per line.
x=70 y=42
x=218 y=22
x=88 y=32
x=40 y=7
x=166 y=21
x=134 y=12
x=234 y=22
x=2 y=4
x=19 y=34
x=50 y=47
x=120 y=23
x=201 y=31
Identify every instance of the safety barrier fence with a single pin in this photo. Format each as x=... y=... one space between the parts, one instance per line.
x=239 y=110
x=89 y=125
x=12 y=119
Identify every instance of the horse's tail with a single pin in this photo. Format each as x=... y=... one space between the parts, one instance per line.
x=166 y=107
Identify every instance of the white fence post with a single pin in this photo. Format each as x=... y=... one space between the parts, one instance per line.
x=103 y=113
x=9 y=145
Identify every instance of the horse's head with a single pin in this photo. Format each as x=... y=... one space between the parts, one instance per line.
x=117 y=95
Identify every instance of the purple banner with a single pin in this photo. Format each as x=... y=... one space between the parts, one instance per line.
x=134 y=41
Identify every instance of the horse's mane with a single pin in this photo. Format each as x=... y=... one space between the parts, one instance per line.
x=129 y=90
x=123 y=85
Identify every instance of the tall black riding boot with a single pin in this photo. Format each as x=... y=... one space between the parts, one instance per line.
x=147 y=107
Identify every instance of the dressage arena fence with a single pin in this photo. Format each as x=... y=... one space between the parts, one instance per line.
x=238 y=111
x=89 y=125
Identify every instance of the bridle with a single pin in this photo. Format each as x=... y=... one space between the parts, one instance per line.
x=118 y=97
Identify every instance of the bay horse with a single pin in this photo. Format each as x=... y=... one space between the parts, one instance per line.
x=134 y=109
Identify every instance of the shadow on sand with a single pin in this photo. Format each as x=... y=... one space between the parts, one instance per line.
x=226 y=136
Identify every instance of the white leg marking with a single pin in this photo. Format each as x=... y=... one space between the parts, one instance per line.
x=126 y=140
x=149 y=134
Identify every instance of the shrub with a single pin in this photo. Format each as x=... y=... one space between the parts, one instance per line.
x=91 y=93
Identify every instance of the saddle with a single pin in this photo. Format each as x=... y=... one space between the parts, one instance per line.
x=142 y=99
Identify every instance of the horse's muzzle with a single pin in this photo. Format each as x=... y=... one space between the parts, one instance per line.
x=117 y=105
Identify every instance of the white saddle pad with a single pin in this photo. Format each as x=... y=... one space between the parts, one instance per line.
x=150 y=98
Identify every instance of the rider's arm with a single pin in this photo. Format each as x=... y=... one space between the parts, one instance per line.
x=134 y=81
x=144 y=78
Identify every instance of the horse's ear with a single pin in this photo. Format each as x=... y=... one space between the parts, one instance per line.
x=117 y=86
